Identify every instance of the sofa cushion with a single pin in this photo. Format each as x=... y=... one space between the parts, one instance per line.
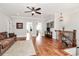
x=11 y=35
x=4 y=34
x=4 y=43
x=1 y=37
x=10 y=39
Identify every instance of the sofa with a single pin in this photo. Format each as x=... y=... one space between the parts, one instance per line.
x=6 y=41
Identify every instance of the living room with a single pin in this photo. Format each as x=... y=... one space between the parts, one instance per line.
x=14 y=19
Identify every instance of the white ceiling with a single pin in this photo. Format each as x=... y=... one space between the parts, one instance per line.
x=14 y=9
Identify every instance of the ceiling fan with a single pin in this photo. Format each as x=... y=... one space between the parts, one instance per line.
x=33 y=10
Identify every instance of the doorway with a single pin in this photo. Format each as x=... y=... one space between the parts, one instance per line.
x=29 y=28
x=39 y=33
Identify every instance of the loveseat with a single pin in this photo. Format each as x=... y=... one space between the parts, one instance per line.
x=6 y=42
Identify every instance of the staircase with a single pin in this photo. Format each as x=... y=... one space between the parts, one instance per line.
x=66 y=39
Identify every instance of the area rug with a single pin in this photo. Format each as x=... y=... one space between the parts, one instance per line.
x=71 y=51
x=21 y=48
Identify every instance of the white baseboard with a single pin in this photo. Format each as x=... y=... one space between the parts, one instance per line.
x=21 y=35
x=26 y=35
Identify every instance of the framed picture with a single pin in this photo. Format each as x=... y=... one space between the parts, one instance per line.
x=19 y=25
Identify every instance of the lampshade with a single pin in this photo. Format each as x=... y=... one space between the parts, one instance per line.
x=61 y=17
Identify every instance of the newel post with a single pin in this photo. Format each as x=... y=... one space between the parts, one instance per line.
x=74 y=38
x=60 y=39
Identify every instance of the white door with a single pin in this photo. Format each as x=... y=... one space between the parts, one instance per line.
x=29 y=30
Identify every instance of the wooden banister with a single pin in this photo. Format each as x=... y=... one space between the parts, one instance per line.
x=74 y=38
x=60 y=40
x=61 y=34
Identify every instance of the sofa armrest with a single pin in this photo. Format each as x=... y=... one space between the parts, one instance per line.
x=0 y=48
x=0 y=45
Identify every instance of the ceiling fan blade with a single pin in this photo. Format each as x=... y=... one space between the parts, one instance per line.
x=29 y=8
x=33 y=8
x=38 y=9
x=27 y=11
x=38 y=12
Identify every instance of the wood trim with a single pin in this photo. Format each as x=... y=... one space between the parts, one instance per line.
x=64 y=31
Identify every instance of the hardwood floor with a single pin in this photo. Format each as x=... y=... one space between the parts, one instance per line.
x=48 y=47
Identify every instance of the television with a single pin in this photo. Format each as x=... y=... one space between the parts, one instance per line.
x=48 y=29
